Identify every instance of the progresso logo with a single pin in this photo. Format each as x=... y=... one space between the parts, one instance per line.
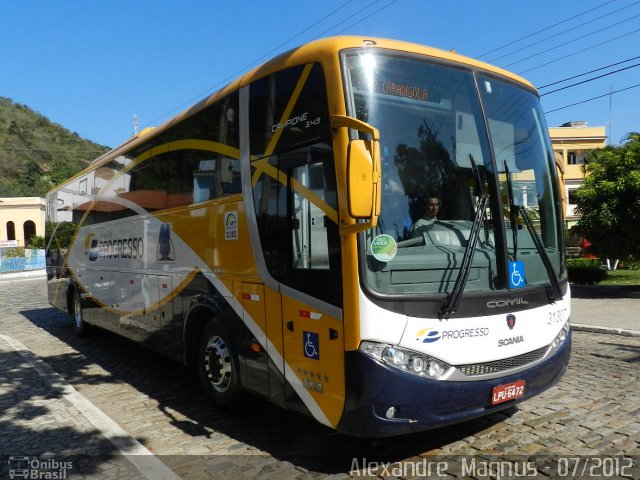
x=428 y=335
x=431 y=335
x=132 y=247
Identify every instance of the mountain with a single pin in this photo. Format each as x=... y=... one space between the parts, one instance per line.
x=37 y=154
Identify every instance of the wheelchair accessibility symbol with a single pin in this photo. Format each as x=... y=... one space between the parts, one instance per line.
x=516 y=274
x=311 y=343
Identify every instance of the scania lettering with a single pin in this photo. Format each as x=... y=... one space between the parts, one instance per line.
x=510 y=341
x=265 y=237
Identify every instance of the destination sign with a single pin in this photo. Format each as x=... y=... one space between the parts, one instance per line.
x=403 y=90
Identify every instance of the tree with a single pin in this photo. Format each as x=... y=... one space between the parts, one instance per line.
x=36 y=241
x=609 y=201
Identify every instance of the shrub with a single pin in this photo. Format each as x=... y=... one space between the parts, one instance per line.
x=632 y=264
x=585 y=271
x=36 y=241
x=13 y=252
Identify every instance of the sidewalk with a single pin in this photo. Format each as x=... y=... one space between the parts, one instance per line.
x=52 y=431
x=606 y=309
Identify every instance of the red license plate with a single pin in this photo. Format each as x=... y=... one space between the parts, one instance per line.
x=507 y=392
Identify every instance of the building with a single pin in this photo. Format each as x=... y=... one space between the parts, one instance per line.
x=20 y=218
x=574 y=141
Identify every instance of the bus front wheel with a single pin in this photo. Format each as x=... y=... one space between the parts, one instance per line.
x=217 y=365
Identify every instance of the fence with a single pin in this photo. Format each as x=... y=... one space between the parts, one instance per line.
x=32 y=260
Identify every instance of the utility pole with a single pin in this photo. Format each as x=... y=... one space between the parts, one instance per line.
x=610 y=102
x=136 y=123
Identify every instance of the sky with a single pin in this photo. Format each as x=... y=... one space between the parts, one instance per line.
x=90 y=66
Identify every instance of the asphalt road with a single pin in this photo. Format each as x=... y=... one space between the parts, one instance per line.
x=156 y=406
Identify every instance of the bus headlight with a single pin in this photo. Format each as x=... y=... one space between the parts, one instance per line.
x=406 y=360
x=562 y=336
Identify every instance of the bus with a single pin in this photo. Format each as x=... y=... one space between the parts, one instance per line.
x=265 y=237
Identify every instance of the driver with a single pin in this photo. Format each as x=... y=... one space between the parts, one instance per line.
x=431 y=208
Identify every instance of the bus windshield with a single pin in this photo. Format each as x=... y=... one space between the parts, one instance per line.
x=442 y=159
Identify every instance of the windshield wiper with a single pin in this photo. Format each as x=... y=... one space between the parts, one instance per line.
x=450 y=303
x=555 y=284
x=546 y=261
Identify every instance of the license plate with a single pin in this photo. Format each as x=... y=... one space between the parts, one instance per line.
x=507 y=392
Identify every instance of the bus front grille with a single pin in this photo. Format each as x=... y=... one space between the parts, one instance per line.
x=496 y=366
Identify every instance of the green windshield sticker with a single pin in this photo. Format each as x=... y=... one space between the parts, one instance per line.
x=384 y=248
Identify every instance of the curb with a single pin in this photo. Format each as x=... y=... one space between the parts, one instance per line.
x=148 y=464
x=27 y=274
x=610 y=330
x=605 y=291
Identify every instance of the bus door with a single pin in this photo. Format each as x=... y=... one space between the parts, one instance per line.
x=313 y=338
x=291 y=175
x=298 y=232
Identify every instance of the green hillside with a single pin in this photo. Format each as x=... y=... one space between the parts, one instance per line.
x=37 y=154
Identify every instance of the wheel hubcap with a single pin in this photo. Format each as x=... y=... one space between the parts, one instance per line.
x=77 y=312
x=217 y=364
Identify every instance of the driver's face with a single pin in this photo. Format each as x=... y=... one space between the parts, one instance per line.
x=432 y=206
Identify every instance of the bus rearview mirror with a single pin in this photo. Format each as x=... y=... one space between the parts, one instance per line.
x=363 y=171
x=360 y=178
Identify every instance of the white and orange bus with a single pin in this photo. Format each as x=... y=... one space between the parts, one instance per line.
x=266 y=237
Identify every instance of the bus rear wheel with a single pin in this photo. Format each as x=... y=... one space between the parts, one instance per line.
x=217 y=365
x=75 y=312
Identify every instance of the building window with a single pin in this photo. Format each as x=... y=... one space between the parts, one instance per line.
x=571 y=197
x=11 y=231
x=572 y=158
x=29 y=231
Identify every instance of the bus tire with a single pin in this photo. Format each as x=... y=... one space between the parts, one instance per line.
x=75 y=312
x=217 y=365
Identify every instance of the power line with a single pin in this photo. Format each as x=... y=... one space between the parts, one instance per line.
x=563 y=32
x=593 y=98
x=345 y=20
x=545 y=29
x=237 y=72
x=571 y=41
x=587 y=73
x=370 y=15
x=579 y=51
x=589 y=79
x=362 y=19
x=302 y=31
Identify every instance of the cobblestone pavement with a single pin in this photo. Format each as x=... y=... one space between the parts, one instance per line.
x=594 y=410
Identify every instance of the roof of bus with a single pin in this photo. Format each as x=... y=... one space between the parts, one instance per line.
x=318 y=49
x=332 y=45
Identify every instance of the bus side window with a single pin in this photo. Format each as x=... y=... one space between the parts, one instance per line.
x=310 y=248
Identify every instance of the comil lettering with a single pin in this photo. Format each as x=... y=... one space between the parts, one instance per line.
x=507 y=302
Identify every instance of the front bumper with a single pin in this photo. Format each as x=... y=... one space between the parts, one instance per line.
x=423 y=404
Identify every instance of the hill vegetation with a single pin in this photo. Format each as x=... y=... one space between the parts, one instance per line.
x=37 y=154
